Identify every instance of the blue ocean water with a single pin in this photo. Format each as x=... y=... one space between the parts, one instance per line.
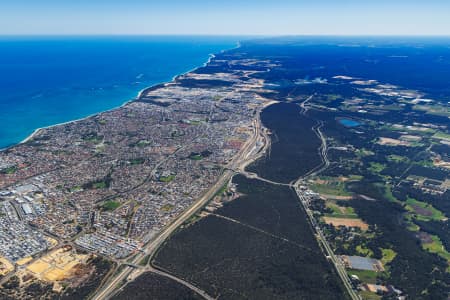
x=49 y=80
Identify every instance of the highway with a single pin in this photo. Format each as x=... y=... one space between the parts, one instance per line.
x=323 y=151
x=128 y=272
x=132 y=270
x=329 y=252
x=153 y=245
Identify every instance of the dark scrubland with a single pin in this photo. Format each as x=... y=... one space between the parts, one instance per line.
x=151 y=286
x=294 y=149
x=268 y=252
x=274 y=209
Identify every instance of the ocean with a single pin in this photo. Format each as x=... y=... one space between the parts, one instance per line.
x=50 y=80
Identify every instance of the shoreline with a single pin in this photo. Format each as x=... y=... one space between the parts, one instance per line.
x=139 y=95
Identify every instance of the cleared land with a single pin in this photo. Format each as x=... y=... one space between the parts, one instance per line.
x=57 y=265
x=347 y=222
x=5 y=266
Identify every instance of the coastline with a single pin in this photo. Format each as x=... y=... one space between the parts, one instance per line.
x=139 y=95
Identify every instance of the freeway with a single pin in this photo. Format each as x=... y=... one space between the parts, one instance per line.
x=132 y=269
x=129 y=272
x=152 y=246
x=247 y=155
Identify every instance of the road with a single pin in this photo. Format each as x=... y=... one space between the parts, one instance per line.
x=256 y=176
x=152 y=246
x=237 y=165
x=323 y=151
x=240 y=160
x=151 y=269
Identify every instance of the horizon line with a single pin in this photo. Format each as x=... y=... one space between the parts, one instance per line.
x=217 y=35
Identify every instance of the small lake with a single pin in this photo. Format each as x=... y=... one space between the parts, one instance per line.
x=349 y=122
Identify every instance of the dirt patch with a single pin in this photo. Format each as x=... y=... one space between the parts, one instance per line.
x=424 y=237
x=334 y=197
x=421 y=211
x=347 y=222
x=392 y=142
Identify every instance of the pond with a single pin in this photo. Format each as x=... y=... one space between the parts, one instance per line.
x=349 y=122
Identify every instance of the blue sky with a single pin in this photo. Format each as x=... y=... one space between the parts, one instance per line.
x=226 y=17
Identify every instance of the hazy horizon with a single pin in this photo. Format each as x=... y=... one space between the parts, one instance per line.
x=242 y=18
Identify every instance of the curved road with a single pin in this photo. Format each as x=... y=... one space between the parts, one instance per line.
x=323 y=151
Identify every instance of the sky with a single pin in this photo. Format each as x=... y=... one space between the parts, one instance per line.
x=225 y=17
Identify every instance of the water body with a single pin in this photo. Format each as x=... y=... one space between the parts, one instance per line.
x=349 y=122
x=49 y=80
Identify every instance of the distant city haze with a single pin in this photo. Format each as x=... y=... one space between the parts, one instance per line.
x=232 y=17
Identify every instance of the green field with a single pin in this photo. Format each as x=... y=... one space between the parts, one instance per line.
x=438 y=110
x=167 y=207
x=410 y=222
x=364 y=152
x=442 y=136
x=99 y=185
x=93 y=138
x=167 y=178
x=75 y=189
x=143 y=143
x=137 y=161
x=9 y=170
x=364 y=276
x=333 y=97
x=416 y=130
x=423 y=211
x=332 y=187
x=437 y=247
x=340 y=211
x=362 y=250
x=194 y=122
x=196 y=157
x=110 y=205
x=376 y=167
x=388 y=193
x=388 y=255
x=397 y=158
